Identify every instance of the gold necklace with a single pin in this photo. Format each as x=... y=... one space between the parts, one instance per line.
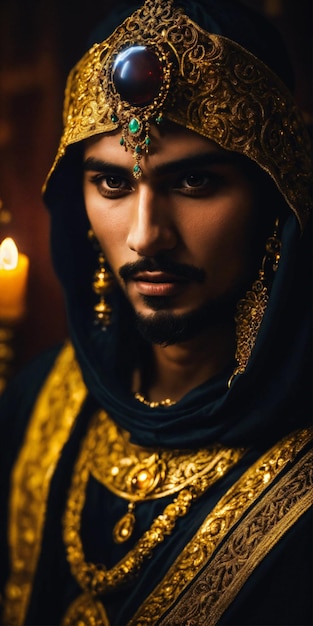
x=136 y=474
x=153 y=405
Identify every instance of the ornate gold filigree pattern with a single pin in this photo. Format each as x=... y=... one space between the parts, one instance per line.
x=52 y=420
x=218 y=585
x=120 y=465
x=227 y=513
x=251 y=308
x=108 y=455
x=249 y=315
x=218 y=89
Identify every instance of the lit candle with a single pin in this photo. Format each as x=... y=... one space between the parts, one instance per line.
x=13 y=280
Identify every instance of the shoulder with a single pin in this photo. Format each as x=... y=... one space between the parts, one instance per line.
x=17 y=401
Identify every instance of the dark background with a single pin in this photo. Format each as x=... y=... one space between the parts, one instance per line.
x=39 y=43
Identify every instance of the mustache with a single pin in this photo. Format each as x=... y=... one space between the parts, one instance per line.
x=151 y=264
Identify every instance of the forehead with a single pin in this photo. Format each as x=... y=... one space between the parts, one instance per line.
x=169 y=143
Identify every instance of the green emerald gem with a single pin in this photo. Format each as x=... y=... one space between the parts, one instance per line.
x=134 y=125
x=122 y=141
x=136 y=168
x=147 y=141
x=159 y=119
x=138 y=149
x=114 y=118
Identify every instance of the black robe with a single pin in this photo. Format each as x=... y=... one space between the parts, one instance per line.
x=271 y=586
x=242 y=552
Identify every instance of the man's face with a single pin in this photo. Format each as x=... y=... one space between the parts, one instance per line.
x=180 y=238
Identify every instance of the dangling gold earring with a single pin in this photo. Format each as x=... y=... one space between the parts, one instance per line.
x=102 y=285
x=251 y=308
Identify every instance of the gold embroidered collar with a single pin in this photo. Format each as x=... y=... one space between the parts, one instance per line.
x=136 y=474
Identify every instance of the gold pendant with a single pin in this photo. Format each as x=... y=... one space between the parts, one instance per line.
x=123 y=529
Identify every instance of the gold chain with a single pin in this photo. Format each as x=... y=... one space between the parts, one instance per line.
x=97 y=579
x=153 y=405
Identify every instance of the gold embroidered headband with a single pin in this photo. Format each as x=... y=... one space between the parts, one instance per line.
x=160 y=64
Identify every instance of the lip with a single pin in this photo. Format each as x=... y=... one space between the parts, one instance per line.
x=158 y=284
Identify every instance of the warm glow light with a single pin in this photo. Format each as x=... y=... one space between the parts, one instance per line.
x=8 y=254
x=13 y=281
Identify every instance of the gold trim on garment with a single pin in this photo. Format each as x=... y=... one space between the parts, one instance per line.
x=249 y=543
x=230 y=510
x=289 y=498
x=277 y=495
x=53 y=417
x=217 y=89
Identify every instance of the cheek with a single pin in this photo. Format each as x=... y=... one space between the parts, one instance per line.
x=220 y=237
x=110 y=232
x=102 y=219
x=227 y=221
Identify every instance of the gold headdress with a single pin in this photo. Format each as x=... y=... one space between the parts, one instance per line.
x=159 y=63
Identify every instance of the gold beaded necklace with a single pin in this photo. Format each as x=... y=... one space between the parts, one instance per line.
x=135 y=474
x=153 y=404
x=138 y=395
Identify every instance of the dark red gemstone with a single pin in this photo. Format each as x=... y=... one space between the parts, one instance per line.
x=137 y=75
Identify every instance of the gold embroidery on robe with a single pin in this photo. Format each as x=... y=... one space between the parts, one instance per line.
x=53 y=417
x=54 y=414
x=251 y=541
x=286 y=500
x=230 y=510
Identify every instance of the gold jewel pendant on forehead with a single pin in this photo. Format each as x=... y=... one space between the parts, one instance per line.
x=136 y=78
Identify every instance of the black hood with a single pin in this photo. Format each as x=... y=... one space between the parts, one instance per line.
x=264 y=402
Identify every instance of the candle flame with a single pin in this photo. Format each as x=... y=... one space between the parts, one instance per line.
x=8 y=254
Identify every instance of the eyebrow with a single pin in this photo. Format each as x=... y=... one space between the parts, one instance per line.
x=92 y=164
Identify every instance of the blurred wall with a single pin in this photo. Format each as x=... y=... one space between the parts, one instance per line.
x=39 y=42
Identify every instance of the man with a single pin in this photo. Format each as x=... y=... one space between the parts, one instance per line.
x=160 y=463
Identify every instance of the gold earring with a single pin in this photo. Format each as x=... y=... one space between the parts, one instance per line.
x=102 y=285
x=251 y=308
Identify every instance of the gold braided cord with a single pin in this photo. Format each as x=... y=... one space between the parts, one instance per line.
x=215 y=88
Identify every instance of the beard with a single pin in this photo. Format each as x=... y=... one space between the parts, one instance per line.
x=166 y=328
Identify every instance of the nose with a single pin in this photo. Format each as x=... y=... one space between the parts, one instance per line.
x=152 y=229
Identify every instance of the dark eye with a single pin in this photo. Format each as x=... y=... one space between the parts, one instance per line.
x=111 y=185
x=114 y=182
x=199 y=183
x=195 y=180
